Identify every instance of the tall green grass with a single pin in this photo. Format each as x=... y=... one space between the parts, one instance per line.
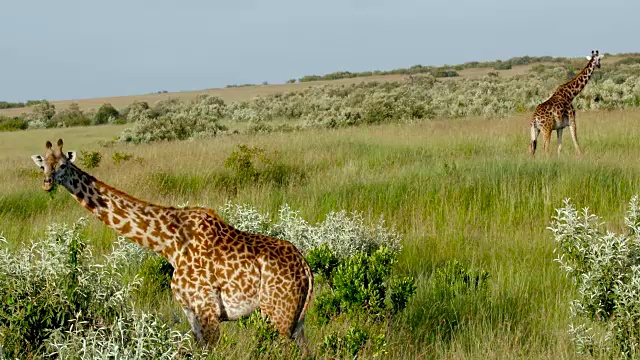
x=457 y=190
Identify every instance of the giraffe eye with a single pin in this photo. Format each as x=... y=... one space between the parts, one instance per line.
x=62 y=166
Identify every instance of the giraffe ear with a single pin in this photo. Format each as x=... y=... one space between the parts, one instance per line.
x=588 y=57
x=71 y=156
x=38 y=160
x=600 y=56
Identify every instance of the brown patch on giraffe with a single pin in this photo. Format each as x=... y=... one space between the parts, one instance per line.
x=125 y=229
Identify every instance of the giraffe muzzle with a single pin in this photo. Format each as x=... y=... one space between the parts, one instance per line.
x=47 y=185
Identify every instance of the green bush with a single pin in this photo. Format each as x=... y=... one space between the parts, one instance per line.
x=105 y=114
x=12 y=124
x=605 y=316
x=69 y=117
x=502 y=66
x=36 y=102
x=360 y=284
x=90 y=159
x=136 y=111
x=400 y=290
x=11 y=105
x=253 y=164
x=40 y=115
x=119 y=157
x=445 y=73
x=323 y=262
x=455 y=278
x=55 y=289
x=351 y=343
x=242 y=162
x=173 y=120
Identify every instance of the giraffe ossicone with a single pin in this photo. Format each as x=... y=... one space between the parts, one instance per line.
x=220 y=273
x=557 y=112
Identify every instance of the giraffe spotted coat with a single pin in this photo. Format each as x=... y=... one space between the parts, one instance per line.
x=557 y=112
x=220 y=273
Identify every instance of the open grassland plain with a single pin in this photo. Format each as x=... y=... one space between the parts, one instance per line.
x=455 y=189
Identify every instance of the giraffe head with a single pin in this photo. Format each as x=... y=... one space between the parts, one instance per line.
x=54 y=164
x=595 y=57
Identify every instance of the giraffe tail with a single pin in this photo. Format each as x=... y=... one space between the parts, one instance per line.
x=307 y=300
x=298 y=329
x=533 y=146
x=534 y=142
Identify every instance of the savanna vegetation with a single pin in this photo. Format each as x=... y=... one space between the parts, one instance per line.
x=419 y=97
x=440 y=71
x=431 y=232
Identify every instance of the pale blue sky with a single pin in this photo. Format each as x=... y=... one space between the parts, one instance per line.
x=80 y=49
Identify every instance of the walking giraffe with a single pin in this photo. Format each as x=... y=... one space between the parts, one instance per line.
x=557 y=112
x=220 y=273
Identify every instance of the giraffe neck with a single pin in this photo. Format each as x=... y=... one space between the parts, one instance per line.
x=572 y=88
x=147 y=224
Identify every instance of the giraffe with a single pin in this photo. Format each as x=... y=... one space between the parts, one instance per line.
x=220 y=273
x=557 y=112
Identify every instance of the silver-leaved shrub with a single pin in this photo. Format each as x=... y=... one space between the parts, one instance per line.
x=174 y=120
x=344 y=233
x=56 y=300
x=606 y=269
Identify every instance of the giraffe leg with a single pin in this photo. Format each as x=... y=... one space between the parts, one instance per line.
x=559 y=133
x=547 y=139
x=203 y=309
x=205 y=327
x=284 y=313
x=196 y=327
x=574 y=133
x=300 y=338
x=534 y=139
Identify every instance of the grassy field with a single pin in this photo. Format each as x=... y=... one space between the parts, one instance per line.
x=456 y=189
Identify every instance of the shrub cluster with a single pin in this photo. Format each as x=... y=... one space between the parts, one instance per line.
x=424 y=97
x=11 y=105
x=606 y=269
x=442 y=71
x=174 y=120
x=344 y=234
x=90 y=159
x=361 y=283
x=40 y=115
x=43 y=115
x=54 y=298
x=106 y=114
x=12 y=124
x=71 y=116
x=249 y=164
